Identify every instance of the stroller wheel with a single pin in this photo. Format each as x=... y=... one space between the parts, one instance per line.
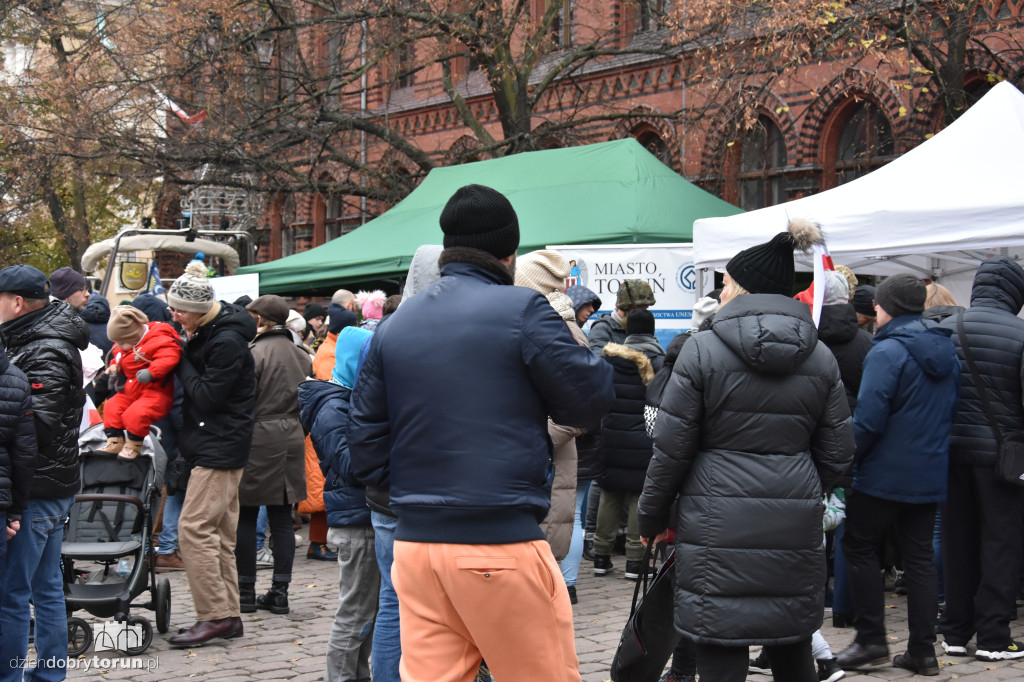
x=79 y=636
x=147 y=635
x=162 y=605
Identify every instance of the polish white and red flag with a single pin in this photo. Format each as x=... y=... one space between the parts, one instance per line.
x=822 y=264
x=181 y=113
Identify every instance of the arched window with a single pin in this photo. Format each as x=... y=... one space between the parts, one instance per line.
x=653 y=143
x=863 y=142
x=762 y=158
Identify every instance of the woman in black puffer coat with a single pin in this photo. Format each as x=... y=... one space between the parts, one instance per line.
x=754 y=425
x=625 y=446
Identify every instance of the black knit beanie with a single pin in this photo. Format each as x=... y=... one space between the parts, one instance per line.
x=640 y=321
x=768 y=268
x=902 y=294
x=480 y=218
x=863 y=295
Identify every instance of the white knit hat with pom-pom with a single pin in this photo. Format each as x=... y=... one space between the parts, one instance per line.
x=192 y=291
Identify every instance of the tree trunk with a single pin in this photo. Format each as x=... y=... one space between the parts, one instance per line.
x=953 y=70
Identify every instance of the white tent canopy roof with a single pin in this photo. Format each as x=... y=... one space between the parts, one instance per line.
x=936 y=211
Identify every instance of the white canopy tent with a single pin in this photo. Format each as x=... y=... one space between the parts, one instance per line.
x=936 y=211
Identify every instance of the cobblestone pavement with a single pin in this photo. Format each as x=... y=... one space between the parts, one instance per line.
x=292 y=647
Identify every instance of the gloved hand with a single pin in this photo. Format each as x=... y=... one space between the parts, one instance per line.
x=144 y=376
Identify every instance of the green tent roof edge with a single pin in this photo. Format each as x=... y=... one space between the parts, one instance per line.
x=313 y=269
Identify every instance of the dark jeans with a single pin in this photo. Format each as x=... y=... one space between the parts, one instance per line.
x=790 y=662
x=280 y=518
x=982 y=554
x=867 y=520
x=684 y=658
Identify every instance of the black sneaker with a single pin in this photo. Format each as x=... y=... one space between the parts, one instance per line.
x=1013 y=651
x=829 y=670
x=588 y=549
x=602 y=564
x=573 y=599
x=635 y=568
x=760 y=664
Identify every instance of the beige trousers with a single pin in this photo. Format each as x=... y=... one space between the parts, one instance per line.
x=206 y=538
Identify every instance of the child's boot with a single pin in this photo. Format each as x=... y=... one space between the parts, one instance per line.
x=115 y=441
x=132 y=448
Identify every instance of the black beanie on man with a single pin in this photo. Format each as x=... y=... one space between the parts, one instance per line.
x=640 y=321
x=480 y=218
x=768 y=268
x=863 y=295
x=902 y=294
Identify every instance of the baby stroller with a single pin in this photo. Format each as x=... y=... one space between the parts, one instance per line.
x=111 y=524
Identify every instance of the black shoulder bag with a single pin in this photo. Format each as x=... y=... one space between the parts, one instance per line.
x=1010 y=466
x=650 y=636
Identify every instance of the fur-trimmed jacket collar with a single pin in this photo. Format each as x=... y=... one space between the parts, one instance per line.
x=642 y=362
x=481 y=259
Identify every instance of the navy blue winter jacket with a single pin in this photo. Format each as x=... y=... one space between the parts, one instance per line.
x=908 y=396
x=325 y=409
x=452 y=403
x=96 y=314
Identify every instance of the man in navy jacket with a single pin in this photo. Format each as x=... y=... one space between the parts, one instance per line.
x=902 y=424
x=450 y=411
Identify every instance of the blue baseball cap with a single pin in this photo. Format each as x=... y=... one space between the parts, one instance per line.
x=24 y=280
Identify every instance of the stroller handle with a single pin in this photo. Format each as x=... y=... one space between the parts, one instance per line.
x=130 y=499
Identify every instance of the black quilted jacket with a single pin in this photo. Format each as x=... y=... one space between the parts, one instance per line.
x=754 y=425
x=996 y=338
x=17 y=439
x=45 y=345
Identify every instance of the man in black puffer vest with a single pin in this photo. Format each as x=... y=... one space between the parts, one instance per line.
x=43 y=340
x=984 y=518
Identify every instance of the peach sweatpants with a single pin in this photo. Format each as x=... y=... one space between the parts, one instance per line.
x=506 y=604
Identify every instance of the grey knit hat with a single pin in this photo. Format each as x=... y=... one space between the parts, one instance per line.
x=192 y=291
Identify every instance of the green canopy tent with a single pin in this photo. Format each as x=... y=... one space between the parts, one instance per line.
x=608 y=193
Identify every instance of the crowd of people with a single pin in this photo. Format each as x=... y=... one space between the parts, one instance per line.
x=463 y=448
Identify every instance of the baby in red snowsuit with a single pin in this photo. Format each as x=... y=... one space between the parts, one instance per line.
x=145 y=353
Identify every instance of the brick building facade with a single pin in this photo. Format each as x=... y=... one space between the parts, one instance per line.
x=830 y=124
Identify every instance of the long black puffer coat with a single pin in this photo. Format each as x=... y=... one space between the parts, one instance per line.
x=754 y=425
x=625 y=446
x=849 y=344
x=45 y=345
x=996 y=338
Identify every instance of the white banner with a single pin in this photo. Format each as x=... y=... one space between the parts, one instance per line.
x=234 y=286
x=668 y=268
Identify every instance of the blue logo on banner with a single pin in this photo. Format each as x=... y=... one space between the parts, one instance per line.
x=687 y=277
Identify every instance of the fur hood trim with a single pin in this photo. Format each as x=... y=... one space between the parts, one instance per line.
x=642 y=362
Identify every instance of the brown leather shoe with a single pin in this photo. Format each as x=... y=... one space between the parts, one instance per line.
x=205 y=630
x=169 y=562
